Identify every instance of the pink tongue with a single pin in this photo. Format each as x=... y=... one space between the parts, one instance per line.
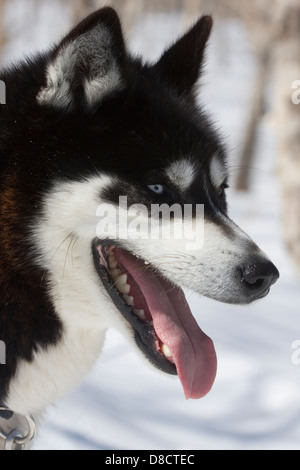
x=192 y=350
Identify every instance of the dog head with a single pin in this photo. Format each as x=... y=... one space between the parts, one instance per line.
x=101 y=125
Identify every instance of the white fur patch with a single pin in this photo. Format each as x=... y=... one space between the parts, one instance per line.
x=218 y=172
x=54 y=372
x=181 y=173
x=89 y=52
x=63 y=238
x=98 y=88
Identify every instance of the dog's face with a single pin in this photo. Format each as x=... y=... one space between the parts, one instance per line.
x=109 y=126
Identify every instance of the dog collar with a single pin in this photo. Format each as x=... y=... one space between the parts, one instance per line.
x=16 y=430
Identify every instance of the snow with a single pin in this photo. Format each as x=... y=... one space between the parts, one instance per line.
x=255 y=401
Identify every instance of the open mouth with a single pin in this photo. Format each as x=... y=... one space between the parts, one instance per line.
x=164 y=327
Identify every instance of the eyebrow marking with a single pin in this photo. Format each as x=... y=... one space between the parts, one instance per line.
x=181 y=173
x=218 y=171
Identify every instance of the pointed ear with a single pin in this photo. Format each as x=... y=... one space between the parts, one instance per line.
x=180 y=65
x=87 y=65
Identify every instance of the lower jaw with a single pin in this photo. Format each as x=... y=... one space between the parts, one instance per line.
x=144 y=333
x=168 y=319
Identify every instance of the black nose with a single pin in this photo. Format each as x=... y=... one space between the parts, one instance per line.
x=259 y=276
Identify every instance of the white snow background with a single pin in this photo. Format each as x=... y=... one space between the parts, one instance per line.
x=255 y=401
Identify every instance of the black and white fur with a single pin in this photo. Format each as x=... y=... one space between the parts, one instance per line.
x=85 y=123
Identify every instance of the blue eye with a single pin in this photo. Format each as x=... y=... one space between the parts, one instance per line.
x=156 y=188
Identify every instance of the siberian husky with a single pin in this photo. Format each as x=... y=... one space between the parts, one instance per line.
x=83 y=125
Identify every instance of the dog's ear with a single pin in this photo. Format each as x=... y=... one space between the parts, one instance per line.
x=87 y=65
x=180 y=65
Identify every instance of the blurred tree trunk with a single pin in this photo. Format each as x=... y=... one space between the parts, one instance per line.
x=130 y=11
x=286 y=72
x=258 y=17
x=255 y=114
x=81 y=8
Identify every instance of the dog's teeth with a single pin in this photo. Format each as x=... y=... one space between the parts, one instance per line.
x=114 y=273
x=146 y=262
x=166 y=351
x=121 y=284
x=129 y=299
x=124 y=288
x=113 y=263
x=140 y=313
x=112 y=260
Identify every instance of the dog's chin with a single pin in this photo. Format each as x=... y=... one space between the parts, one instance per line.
x=156 y=309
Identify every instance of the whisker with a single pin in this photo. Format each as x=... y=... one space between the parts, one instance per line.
x=53 y=256
x=60 y=245
x=72 y=255
x=66 y=257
